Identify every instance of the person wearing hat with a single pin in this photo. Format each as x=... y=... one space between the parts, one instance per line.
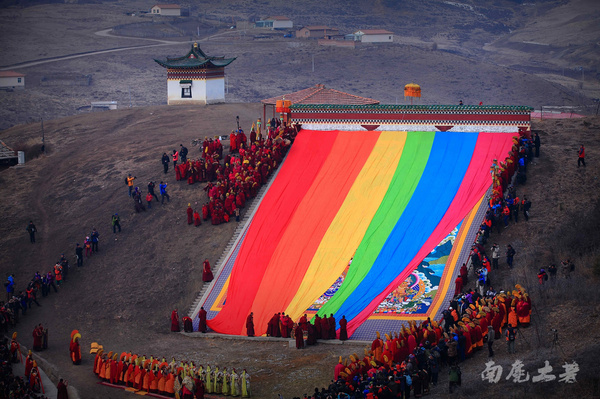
x=116 y=222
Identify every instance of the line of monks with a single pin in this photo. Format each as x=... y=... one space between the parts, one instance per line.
x=506 y=308
x=32 y=372
x=182 y=380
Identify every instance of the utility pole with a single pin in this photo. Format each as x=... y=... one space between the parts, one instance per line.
x=313 y=62
x=43 y=138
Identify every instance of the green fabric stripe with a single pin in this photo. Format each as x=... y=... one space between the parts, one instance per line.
x=406 y=178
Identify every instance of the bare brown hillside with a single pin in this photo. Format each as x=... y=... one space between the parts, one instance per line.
x=123 y=296
x=505 y=52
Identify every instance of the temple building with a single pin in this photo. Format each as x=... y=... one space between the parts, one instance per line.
x=195 y=78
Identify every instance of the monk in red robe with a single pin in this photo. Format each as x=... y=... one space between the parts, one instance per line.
x=202 y=320
x=332 y=332
x=303 y=322
x=28 y=364
x=37 y=337
x=207 y=275
x=175 y=321
x=283 y=326
x=190 y=214
x=324 y=328
x=299 y=337
x=197 y=219
x=343 y=329
x=338 y=369
x=317 y=324
x=205 y=213
x=75 y=350
x=377 y=348
x=250 y=325
x=458 y=284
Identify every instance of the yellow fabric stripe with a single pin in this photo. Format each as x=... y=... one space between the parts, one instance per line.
x=350 y=223
x=451 y=265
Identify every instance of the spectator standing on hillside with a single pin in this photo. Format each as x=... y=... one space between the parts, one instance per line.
x=183 y=151
x=495 y=255
x=511 y=334
x=165 y=161
x=510 y=253
x=163 y=192
x=151 y=187
x=566 y=268
x=129 y=181
x=552 y=271
x=149 y=199
x=32 y=230
x=526 y=207
x=175 y=158
x=79 y=255
x=536 y=143
x=94 y=238
x=116 y=222
x=490 y=343
x=581 y=156
x=453 y=377
x=542 y=276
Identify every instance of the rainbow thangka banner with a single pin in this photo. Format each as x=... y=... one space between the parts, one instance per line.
x=386 y=199
x=415 y=295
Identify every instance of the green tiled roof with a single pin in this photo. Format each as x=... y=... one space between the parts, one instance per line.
x=194 y=59
x=393 y=107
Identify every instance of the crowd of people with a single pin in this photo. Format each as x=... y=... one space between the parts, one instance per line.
x=233 y=178
x=184 y=380
x=18 y=387
x=19 y=303
x=410 y=360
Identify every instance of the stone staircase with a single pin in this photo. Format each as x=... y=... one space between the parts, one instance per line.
x=243 y=224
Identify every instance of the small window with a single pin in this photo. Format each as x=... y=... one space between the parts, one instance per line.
x=186 y=92
x=390 y=38
x=18 y=80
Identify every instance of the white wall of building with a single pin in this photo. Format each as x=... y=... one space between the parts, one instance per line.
x=207 y=91
x=173 y=12
x=283 y=24
x=215 y=90
x=13 y=82
x=387 y=38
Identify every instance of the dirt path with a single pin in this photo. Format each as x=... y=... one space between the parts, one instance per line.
x=105 y=33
